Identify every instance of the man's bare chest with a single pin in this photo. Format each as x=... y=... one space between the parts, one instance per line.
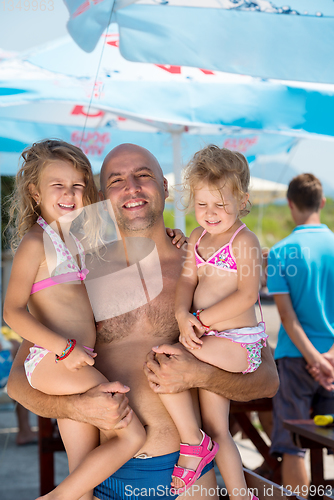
x=156 y=318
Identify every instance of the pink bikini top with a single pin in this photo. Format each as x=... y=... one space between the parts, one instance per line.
x=223 y=258
x=67 y=268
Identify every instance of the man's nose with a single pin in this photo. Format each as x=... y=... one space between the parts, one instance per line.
x=132 y=185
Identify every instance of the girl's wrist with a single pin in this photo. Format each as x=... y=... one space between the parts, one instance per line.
x=71 y=343
x=197 y=314
x=60 y=346
x=181 y=313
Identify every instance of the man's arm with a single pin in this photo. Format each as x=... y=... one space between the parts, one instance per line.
x=174 y=369
x=105 y=406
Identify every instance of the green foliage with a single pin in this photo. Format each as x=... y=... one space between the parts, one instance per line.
x=327 y=214
x=276 y=221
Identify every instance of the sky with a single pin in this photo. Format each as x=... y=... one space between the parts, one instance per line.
x=18 y=33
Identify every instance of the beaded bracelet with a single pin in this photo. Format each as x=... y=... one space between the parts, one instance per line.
x=197 y=313
x=71 y=343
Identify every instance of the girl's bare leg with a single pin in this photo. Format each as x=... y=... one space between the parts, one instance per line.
x=215 y=351
x=181 y=409
x=223 y=353
x=100 y=462
x=215 y=412
x=79 y=440
x=89 y=464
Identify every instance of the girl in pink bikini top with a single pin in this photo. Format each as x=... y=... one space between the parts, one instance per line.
x=53 y=186
x=215 y=310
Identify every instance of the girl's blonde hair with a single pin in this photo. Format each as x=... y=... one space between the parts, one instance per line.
x=23 y=208
x=216 y=167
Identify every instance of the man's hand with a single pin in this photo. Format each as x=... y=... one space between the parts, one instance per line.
x=170 y=369
x=104 y=406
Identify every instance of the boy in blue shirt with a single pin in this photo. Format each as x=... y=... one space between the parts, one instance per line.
x=301 y=278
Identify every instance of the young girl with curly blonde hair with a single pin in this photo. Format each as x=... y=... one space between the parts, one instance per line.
x=53 y=186
x=215 y=310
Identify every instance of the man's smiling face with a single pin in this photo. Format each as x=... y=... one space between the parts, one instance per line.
x=132 y=179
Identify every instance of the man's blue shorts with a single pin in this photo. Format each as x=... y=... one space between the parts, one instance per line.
x=297 y=395
x=141 y=478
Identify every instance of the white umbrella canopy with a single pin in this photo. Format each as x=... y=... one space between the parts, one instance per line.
x=261 y=38
x=315 y=157
x=170 y=98
x=97 y=131
x=105 y=130
x=190 y=103
x=261 y=191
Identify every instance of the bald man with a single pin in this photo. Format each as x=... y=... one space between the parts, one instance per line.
x=132 y=179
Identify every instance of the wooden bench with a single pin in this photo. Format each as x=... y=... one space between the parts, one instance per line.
x=49 y=442
x=239 y=411
x=265 y=489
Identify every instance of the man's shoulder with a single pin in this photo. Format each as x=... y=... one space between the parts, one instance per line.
x=173 y=257
x=179 y=254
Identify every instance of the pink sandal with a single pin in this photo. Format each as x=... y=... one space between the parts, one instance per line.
x=188 y=476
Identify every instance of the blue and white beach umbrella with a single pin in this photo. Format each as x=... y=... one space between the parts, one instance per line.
x=281 y=39
x=170 y=97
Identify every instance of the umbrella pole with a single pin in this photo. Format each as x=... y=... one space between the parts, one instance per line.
x=179 y=218
x=261 y=207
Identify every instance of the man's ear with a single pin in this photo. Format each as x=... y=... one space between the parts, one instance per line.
x=290 y=203
x=322 y=203
x=166 y=188
x=34 y=193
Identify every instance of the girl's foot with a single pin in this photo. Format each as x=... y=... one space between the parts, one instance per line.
x=193 y=459
x=187 y=462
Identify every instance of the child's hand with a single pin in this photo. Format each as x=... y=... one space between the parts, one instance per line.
x=178 y=237
x=78 y=358
x=323 y=371
x=319 y=376
x=190 y=331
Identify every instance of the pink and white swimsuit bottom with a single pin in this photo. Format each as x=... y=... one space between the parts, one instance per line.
x=252 y=338
x=34 y=357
